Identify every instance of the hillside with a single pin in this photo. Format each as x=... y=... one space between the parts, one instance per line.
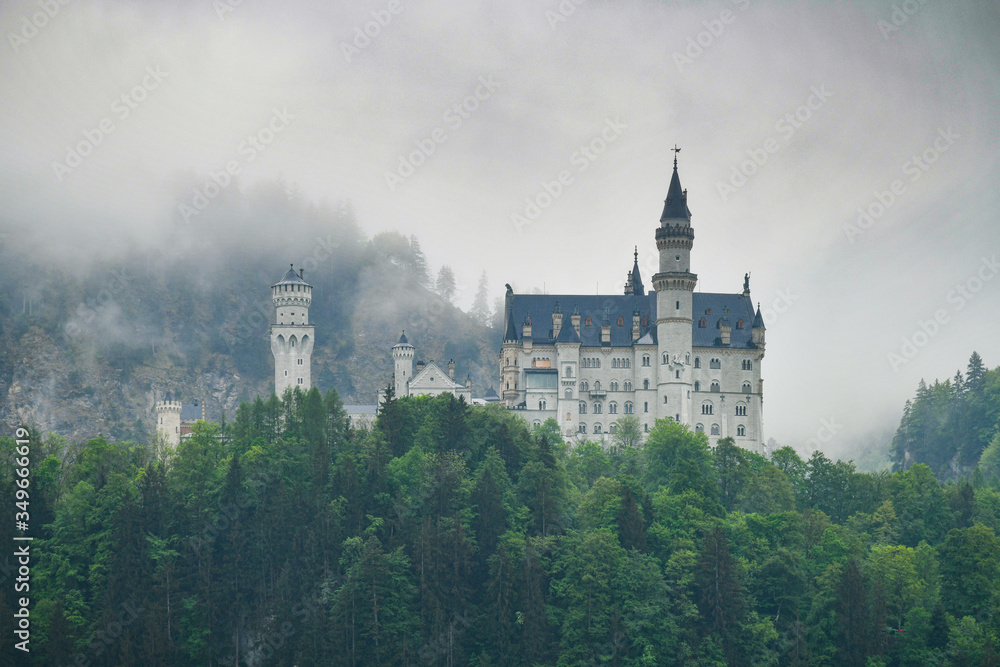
x=88 y=349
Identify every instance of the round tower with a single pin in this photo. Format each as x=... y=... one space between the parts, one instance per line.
x=402 y=360
x=509 y=351
x=168 y=420
x=674 y=286
x=291 y=334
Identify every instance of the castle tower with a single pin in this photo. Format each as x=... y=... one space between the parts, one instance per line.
x=674 y=286
x=291 y=334
x=509 y=370
x=402 y=359
x=168 y=420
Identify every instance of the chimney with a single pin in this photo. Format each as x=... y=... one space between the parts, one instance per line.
x=468 y=382
x=635 y=326
x=725 y=329
x=605 y=333
x=451 y=369
x=556 y=320
x=302 y=273
x=575 y=319
x=526 y=328
x=420 y=365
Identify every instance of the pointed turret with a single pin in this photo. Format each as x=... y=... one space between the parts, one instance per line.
x=633 y=283
x=510 y=333
x=757 y=332
x=675 y=205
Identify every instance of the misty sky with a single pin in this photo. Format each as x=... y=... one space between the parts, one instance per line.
x=835 y=99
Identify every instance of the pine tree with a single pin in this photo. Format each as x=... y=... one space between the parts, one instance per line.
x=445 y=284
x=481 y=304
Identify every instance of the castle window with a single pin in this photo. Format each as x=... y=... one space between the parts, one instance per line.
x=645 y=360
x=664 y=400
x=628 y=363
x=300 y=380
x=582 y=428
x=597 y=408
x=702 y=323
x=699 y=428
x=715 y=386
x=597 y=428
x=697 y=362
x=707 y=408
x=645 y=406
x=299 y=362
x=612 y=408
x=584 y=386
x=613 y=428
x=645 y=384
x=715 y=363
x=677 y=375
x=677 y=306
x=588 y=322
x=741 y=410
x=628 y=407
x=747 y=365
x=583 y=408
x=739 y=324
x=621 y=321
x=569 y=393
x=597 y=385
x=286 y=373
x=747 y=388
x=708 y=311
x=645 y=428
x=741 y=430
x=666 y=358
x=715 y=429
x=697 y=385
x=614 y=385
x=568 y=372
x=628 y=385
x=541 y=405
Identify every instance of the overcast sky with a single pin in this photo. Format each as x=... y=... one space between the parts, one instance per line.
x=833 y=100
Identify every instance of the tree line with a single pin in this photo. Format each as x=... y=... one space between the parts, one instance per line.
x=450 y=534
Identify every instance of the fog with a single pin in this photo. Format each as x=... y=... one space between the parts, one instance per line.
x=843 y=153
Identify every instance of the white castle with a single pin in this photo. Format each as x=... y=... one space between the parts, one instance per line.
x=424 y=379
x=291 y=335
x=673 y=353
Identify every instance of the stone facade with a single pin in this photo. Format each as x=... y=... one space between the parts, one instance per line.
x=671 y=353
x=424 y=379
x=292 y=336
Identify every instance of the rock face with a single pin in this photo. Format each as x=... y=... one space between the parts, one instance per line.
x=84 y=359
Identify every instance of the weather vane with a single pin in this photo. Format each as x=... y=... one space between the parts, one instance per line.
x=676 y=151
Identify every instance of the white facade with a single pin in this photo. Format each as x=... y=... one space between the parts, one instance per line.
x=292 y=336
x=168 y=421
x=427 y=380
x=672 y=353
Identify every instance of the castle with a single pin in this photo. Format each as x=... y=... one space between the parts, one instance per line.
x=693 y=357
x=668 y=353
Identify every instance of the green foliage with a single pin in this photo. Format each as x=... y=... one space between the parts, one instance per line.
x=454 y=534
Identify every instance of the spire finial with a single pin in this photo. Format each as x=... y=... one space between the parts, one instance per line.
x=676 y=150
x=636 y=254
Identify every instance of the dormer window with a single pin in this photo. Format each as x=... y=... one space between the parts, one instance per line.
x=739 y=324
x=588 y=322
x=702 y=323
x=621 y=321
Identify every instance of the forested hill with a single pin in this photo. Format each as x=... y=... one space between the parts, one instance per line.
x=453 y=535
x=87 y=346
x=953 y=426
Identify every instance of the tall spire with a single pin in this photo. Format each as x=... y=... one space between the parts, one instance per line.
x=633 y=285
x=675 y=205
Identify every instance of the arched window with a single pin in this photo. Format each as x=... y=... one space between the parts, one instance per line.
x=645 y=384
x=628 y=407
x=597 y=408
x=613 y=428
x=697 y=362
x=597 y=428
x=541 y=405
x=584 y=385
x=715 y=386
x=583 y=428
x=614 y=385
x=569 y=393
x=621 y=321
x=645 y=360
x=677 y=374
x=664 y=400
x=643 y=321
x=583 y=408
x=741 y=410
x=568 y=372
x=741 y=430
x=739 y=324
x=697 y=385
x=699 y=428
x=715 y=363
x=702 y=323
x=628 y=363
x=747 y=388
x=628 y=385
x=715 y=429
x=747 y=365
x=614 y=363
x=645 y=428
x=666 y=358
x=612 y=408
x=588 y=322
x=645 y=406
x=707 y=408
x=597 y=385
x=536 y=423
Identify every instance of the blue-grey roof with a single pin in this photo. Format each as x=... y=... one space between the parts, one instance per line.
x=675 y=206
x=360 y=409
x=539 y=308
x=402 y=341
x=291 y=277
